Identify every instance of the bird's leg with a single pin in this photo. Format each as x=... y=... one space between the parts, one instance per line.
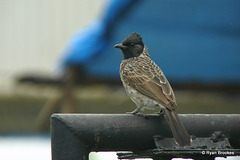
x=135 y=111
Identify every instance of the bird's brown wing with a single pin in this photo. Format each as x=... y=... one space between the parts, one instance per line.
x=148 y=79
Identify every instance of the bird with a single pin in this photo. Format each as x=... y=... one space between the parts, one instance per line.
x=148 y=87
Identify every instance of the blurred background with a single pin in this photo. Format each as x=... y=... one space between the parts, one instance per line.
x=58 y=56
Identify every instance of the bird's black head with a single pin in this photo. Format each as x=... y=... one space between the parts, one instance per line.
x=132 y=46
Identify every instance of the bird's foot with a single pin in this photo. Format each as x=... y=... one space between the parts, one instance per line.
x=131 y=112
x=138 y=114
x=135 y=112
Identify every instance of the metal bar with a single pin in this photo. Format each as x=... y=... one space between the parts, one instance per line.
x=75 y=135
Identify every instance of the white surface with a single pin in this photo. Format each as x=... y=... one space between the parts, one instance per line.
x=25 y=148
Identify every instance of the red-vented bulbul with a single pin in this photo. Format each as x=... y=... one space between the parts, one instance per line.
x=147 y=86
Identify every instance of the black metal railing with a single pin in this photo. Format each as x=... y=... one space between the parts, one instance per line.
x=74 y=136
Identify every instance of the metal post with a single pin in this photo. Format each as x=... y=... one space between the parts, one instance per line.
x=75 y=135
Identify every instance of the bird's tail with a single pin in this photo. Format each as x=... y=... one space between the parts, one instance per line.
x=179 y=132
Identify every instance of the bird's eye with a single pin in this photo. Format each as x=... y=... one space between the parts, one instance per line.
x=132 y=44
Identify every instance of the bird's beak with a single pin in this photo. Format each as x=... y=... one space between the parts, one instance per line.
x=119 y=46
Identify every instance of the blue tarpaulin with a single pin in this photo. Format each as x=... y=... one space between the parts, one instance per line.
x=189 y=40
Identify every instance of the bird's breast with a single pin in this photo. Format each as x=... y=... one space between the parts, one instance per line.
x=139 y=99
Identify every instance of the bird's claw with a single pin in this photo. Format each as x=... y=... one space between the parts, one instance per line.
x=137 y=114
x=131 y=112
